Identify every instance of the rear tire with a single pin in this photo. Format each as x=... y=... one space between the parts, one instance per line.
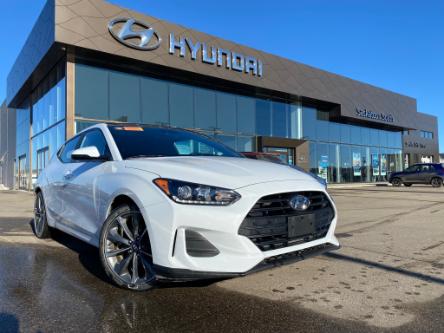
x=436 y=182
x=125 y=250
x=396 y=182
x=40 y=222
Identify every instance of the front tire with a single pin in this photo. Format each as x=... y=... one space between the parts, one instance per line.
x=40 y=222
x=125 y=250
x=396 y=182
x=436 y=182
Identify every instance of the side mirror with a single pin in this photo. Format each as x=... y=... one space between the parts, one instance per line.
x=86 y=154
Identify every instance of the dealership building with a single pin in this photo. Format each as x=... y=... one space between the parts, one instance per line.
x=89 y=61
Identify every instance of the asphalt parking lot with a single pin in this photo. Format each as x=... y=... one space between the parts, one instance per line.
x=387 y=277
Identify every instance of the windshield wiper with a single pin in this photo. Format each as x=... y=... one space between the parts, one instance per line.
x=144 y=156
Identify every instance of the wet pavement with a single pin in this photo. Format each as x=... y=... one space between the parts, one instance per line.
x=388 y=277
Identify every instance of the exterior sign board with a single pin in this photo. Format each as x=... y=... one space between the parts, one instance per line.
x=383 y=164
x=375 y=164
x=141 y=36
x=357 y=164
x=364 y=113
x=323 y=167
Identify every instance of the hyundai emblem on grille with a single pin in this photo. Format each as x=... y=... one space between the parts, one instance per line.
x=299 y=202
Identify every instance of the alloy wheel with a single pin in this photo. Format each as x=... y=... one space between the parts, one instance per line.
x=436 y=182
x=127 y=250
x=39 y=215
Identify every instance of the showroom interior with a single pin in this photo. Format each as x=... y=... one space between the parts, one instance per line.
x=73 y=72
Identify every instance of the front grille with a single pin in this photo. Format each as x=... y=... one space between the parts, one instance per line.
x=267 y=223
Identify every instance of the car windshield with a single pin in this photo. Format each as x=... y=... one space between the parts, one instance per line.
x=145 y=141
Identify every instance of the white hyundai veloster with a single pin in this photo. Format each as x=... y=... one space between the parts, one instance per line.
x=171 y=204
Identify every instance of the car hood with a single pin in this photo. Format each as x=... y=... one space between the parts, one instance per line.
x=228 y=172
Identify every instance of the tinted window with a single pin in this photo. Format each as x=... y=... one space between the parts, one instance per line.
x=204 y=108
x=145 y=141
x=124 y=97
x=65 y=153
x=95 y=138
x=413 y=168
x=154 y=98
x=181 y=105
x=91 y=92
x=226 y=112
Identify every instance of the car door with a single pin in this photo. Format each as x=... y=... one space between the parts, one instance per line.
x=81 y=195
x=56 y=176
x=410 y=174
x=426 y=173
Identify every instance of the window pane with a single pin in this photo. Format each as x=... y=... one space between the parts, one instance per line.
x=154 y=101
x=334 y=132
x=263 y=117
x=244 y=144
x=279 y=119
x=309 y=123
x=205 y=108
x=229 y=141
x=356 y=136
x=294 y=121
x=91 y=92
x=124 y=97
x=181 y=105
x=322 y=130
x=226 y=112
x=365 y=132
x=345 y=133
x=383 y=138
x=333 y=169
x=374 y=137
x=313 y=159
x=346 y=164
x=246 y=115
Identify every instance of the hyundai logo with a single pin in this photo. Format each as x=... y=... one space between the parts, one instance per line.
x=134 y=33
x=299 y=202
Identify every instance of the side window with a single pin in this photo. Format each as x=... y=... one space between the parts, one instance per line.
x=413 y=168
x=425 y=168
x=97 y=139
x=65 y=153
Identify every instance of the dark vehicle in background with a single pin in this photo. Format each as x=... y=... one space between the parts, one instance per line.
x=274 y=158
x=427 y=173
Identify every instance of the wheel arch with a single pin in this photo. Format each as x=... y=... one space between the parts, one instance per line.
x=119 y=199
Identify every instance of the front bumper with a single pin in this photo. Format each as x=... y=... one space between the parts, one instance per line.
x=168 y=224
x=185 y=275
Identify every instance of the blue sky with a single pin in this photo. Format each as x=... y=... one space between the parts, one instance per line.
x=396 y=44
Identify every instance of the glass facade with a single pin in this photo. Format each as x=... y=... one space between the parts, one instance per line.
x=349 y=153
x=40 y=127
x=48 y=119
x=338 y=152
x=22 y=146
x=103 y=95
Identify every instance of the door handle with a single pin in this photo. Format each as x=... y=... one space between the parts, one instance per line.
x=67 y=174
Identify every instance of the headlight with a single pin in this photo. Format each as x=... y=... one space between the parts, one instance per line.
x=196 y=194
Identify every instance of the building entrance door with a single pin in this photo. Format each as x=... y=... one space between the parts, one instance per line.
x=289 y=151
